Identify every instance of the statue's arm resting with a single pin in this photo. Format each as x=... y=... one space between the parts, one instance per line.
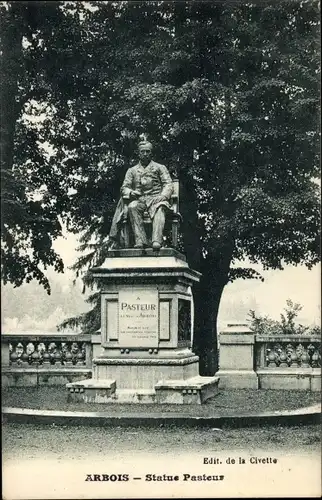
x=126 y=189
x=166 y=181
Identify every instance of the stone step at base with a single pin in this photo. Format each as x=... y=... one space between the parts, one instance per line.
x=91 y=391
x=140 y=396
x=195 y=390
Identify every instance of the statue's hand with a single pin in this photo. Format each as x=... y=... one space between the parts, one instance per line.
x=135 y=194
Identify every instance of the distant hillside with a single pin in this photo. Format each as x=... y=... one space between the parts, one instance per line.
x=30 y=308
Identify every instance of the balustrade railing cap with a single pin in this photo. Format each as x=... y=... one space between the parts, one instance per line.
x=40 y=334
x=283 y=338
x=236 y=328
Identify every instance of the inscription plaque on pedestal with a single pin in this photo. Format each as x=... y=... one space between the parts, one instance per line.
x=139 y=318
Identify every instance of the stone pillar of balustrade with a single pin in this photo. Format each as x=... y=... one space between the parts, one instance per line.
x=4 y=352
x=236 y=358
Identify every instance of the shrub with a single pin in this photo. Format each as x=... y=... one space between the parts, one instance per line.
x=287 y=324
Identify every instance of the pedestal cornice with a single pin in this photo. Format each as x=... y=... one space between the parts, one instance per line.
x=167 y=263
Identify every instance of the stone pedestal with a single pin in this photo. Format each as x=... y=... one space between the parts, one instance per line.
x=236 y=361
x=146 y=331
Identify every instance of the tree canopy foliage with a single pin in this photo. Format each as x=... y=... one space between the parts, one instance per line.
x=228 y=92
x=34 y=188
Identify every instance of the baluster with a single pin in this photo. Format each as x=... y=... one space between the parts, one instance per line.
x=57 y=354
x=283 y=358
x=10 y=347
x=63 y=353
x=67 y=354
x=74 y=351
x=84 y=351
x=310 y=352
x=271 y=358
x=81 y=354
x=299 y=352
x=278 y=351
x=30 y=349
x=46 y=355
x=24 y=358
x=305 y=358
x=315 y=358
x=41 y=349
x=21 y=354
x=12 y=353
x=51 y=351
x=291 y=356
x=318 y=360
x=35 y=357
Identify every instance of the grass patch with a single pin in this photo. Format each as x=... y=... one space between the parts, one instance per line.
x=227 y=402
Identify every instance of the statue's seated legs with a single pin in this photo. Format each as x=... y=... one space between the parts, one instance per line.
x=136 y=210
x=157 y=228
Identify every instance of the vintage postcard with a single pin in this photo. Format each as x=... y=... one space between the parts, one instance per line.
x=160 y=255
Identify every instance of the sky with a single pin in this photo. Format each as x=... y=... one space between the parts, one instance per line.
x=29 y=308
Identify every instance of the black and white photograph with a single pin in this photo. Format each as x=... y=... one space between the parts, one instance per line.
x=160 y=249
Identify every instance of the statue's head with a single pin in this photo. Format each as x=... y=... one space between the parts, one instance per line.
x=145 y=152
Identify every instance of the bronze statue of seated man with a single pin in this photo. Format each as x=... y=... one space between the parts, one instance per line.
x=147 y=188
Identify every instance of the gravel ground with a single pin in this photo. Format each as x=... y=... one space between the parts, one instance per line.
x=54 y=462
x=34 y=441
x=227 y=402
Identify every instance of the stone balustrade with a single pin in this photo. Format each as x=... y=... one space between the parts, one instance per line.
x=31 y=359
x=249 y=360
x=288 y=351
x=288 y=361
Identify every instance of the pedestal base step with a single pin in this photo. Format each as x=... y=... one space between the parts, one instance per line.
x=123 y=396
x=91 y=391
x=195 y=390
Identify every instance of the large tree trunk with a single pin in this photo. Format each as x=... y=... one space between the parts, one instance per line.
x=207 y=299
x=214 y=269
